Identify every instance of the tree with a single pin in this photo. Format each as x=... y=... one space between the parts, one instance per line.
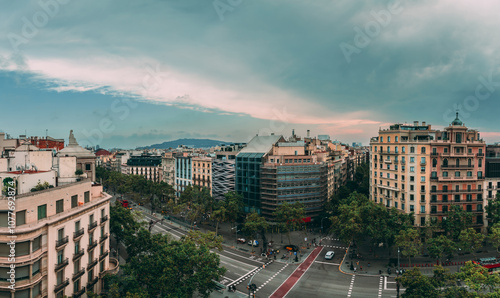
x=209 y=239
x=220 y=214
x=417 y=285
x=409 y=242
x=456 y=220
x=470 y=240
x=289 y=217
x=493 y=210
x=350 y=223
x=494 y=236
x=478 y=279
x=440 y=246
x=169 y=269
x=254 y=224
x=78 y=172
x=234 y=205
x=122 y=224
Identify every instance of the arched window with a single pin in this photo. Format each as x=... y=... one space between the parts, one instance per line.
x=434 y=162
x=445 y=163
x=422 y=150
x=469 y=162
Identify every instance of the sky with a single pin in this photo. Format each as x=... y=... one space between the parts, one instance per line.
x=134 y=73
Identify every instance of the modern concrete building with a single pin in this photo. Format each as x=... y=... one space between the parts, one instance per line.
x=183 y=172
x=168 y=166
x=222 y=177
x=417 y=169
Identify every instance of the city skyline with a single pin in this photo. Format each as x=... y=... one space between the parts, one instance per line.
x=230 y=71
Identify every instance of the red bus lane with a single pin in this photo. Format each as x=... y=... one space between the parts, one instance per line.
x=297 y=274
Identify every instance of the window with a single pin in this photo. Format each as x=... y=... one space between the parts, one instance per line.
x=403 y=207
x=60 y=277
x=422 y=150
x=445 y=174
x=381 y=139
x=457 y=198
x=388 y=176
x=422 y=221
x=396 y=205
x=422 y=178
x=101 y=266
x=445 y=150
x=422 y=160
x=77 y=246
x=60 y=256
x=76 y=285
x=412 y=159
x=86 y=196
x=422 y=169
x=60 y=234
x=411 y=187
x=59 y=206
x=412 y=208
x=36 y=243
x=412 y=169
x=480 y=174
x=42 y=211
x=434 y=174
x=87 y=167
x=388 y=139
x=20 y=218
x=388 y=149
x=469 y=174
x=77 y=266
x=422 y=198
x=375 y=147
x=480 y=163
x=396 y=149
x=412 y=149
x=74 y=201
x=433 y=198
x=412 y=178
x=403 y=149
x=445 y=198
x=102 y=213
x=412 y=198
x=35 y=268
x=457 y=174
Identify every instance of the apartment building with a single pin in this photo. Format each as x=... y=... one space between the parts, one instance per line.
x=168 y=166
x=148 y=166
x=417 y=169
x=183 y=172
x=289 y=175
x=202 y=172
x=61 y=233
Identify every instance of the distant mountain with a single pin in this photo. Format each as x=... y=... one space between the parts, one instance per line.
x=193 y=143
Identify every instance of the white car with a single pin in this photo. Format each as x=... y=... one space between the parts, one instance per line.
x=329 y=255
x=253 y=242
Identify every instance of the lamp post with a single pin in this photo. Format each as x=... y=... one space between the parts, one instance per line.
x=398 y=262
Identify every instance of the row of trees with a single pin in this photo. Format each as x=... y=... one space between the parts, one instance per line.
x=443 y=284
x=138 y=188
x=158 y=266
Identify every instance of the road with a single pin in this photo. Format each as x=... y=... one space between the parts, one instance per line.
x=315 y=277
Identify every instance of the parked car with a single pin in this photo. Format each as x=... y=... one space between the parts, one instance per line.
x=291 y=247
x=329 y=255
x=253 y=243
x=241 y=240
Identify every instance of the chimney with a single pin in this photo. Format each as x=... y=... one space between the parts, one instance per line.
x=293 y=132
x=415 y=123
x=308 y=132
x=423 y=123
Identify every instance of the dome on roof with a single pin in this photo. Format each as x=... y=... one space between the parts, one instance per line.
x=73 y=149
x=457 y=121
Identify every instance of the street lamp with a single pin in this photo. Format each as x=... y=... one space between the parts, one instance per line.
x=398 y=263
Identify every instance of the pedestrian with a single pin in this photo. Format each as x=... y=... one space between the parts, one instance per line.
x=354 y=269
x=360 y=268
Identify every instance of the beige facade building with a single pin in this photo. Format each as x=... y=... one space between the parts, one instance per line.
x=417 y=169
x=202 y=172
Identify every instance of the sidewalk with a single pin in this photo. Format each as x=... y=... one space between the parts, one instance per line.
x=377 y=261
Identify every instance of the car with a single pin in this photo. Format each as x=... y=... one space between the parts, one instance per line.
x=291 y=247
x=253 y=243
x=241 y=240
x=329 y=255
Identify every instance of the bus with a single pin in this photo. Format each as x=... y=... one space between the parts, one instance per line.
x=492 y=264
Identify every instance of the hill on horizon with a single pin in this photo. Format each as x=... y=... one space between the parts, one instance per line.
x=194 y=143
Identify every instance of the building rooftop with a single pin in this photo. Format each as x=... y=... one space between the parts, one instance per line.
x=262 y=144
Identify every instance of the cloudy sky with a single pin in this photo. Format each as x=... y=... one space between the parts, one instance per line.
x=131 y=73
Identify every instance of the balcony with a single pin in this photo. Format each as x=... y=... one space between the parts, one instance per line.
x=457 y=167
x=61 y=242
x=62 y=285
x=78 y=254
x=92 y=264
x=104 y=219
x=92 y=226
x=79 y=293
x=61 y=265
x=93 y=282
x=78 y=233
x=78 y=274
x=434 y=154
x=423 y=163
x=387 y=161
x=92 y=245
x=104 y=255
x=480 y=155
x=103 y=237
x=403 y=162
x=113 y=267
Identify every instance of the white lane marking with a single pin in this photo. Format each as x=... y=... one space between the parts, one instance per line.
x=302 y=273
x=244 y=257
x=248 y=265
x=381 y=283
x=272 y=277
x=350 y=287
x=336 y=264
